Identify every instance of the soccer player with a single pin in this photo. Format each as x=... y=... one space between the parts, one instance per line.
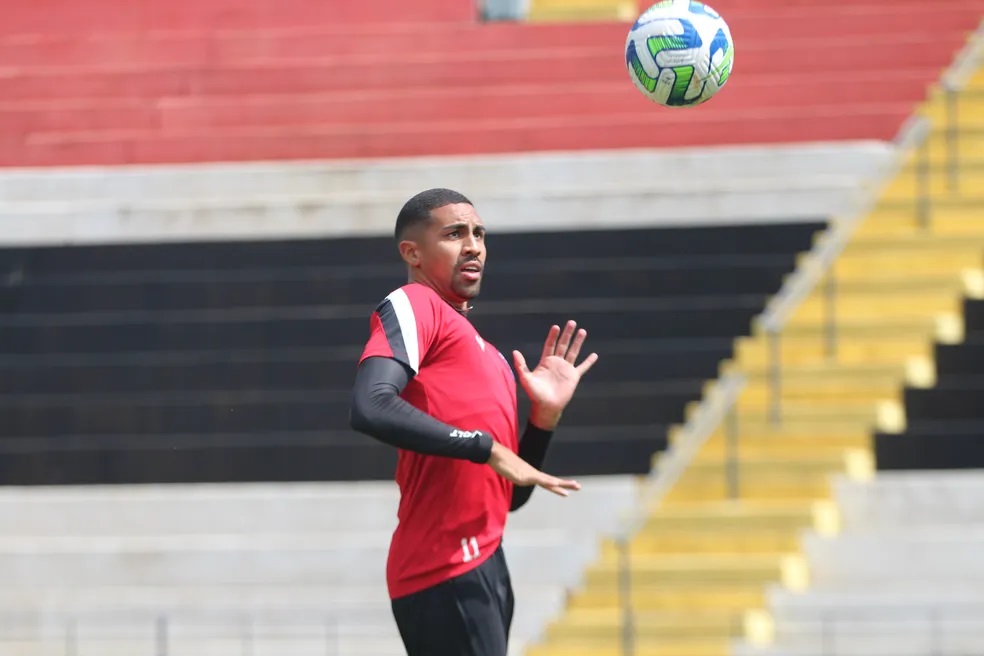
x=430 y=385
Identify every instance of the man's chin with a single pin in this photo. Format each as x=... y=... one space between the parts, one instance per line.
x=468 y=291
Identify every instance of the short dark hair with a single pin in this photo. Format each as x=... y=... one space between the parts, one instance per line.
x=417 y=210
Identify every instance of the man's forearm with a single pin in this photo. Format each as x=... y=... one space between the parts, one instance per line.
x=378 y=411
x=533 y=449
x=545 y=418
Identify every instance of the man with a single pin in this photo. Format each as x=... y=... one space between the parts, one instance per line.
x=430 y=385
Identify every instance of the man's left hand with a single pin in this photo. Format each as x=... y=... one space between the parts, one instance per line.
x=552 y=383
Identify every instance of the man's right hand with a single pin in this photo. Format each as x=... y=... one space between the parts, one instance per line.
x=513 y=468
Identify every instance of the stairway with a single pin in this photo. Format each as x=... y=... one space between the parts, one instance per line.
x=700 y=567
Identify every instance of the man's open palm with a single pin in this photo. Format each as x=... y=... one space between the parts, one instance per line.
x=551 y=384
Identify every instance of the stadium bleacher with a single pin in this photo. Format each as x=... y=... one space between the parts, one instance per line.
x=728 y=529
x=125 y=369
x=894 y=568
x=219 y=569
x=217 y=83
x=902 y=576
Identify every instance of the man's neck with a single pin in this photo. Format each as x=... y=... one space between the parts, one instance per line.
x=461 y=307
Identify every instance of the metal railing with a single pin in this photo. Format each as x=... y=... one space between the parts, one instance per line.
x=910 y=629
x=719 y=405
x=815 y=272
x=817 y=268
x=162 y=633
x=929 y=628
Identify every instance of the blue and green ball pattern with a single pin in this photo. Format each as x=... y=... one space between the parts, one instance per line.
x=682 y=74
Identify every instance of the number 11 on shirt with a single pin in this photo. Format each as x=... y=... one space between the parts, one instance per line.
x=469 y=547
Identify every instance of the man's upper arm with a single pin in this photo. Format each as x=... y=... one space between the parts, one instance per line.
x=403 y=327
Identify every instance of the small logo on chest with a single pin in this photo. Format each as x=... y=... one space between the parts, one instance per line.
x=481 y=342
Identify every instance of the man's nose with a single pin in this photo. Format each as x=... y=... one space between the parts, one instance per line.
x=472 y=245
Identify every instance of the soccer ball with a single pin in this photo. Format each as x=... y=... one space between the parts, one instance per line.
x=679 y=53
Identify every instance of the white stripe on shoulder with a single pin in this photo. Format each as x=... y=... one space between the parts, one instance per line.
x=408 y=326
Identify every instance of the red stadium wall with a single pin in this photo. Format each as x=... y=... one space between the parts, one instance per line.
x=75 y=17
x=304 y=79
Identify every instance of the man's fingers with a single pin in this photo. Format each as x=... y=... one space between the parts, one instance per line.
x=587 y=364
x=560 y=487
x=565 y=339
x=551 y=342
x=520 y=363
x=575 y=349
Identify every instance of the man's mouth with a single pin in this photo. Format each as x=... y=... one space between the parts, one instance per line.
x=472 y=271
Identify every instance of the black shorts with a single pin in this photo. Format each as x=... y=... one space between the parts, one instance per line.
x=469 y=615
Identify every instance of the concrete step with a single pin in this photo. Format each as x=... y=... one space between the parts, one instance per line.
x=910 y=183
x=970 y=144
x=749 y=419
x=245 y=560
x=820 y=375
x=859 y=399
x=869 y=342
x=897 y=499
x=699 y=569
x=886 y=642
x=757 y=479
x=888 y=600
x=398 y=178
x=605 y=593
x=945 y=218
x=355 y=620
x=823 y=383
x=728 y=515
x=614 y=647
x=264 y=509
x=350 y=602
x=717 y=527
x=786 y=445
x=862 y=245
x=371 y=214
x=766 y=429
x=302 y=645
x=758 y=543
x=228 y=509
x=905 y=263
x=607 y=624
x=947 y=555
x=846 y=307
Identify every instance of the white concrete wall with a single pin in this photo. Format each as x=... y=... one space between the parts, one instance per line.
x=526 y=192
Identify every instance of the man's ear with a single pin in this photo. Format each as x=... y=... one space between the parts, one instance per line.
x=410 y=252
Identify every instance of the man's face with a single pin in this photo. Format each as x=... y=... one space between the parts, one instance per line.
x=449 y=252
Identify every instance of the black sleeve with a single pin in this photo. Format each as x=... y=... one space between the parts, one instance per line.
x=533 y=449
x=378 y=411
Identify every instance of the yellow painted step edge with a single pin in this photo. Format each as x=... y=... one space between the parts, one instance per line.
x=758 y=624
x=973 y=281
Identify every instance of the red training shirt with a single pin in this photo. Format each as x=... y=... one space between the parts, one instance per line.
x=452 y=512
